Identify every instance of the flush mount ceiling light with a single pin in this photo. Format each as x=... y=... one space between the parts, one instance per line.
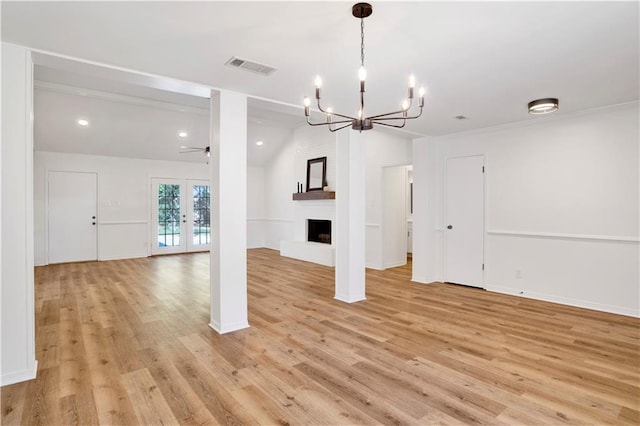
x=362 y=122
x=543 y=106
x=259 y=143
x=182 y=134
x=82 y=122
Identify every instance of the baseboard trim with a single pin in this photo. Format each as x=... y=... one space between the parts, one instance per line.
x=376 y=267
x=350 y=299
x=229 y=328
x=20 y=376
x=578 y=303
x=424 y=280
x=395 y=264
x=131 y=256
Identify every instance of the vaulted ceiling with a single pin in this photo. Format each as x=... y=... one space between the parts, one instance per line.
x=483 y=60
x=136 y=119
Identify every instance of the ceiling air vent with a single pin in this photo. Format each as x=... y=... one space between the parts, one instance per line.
x=255 y=67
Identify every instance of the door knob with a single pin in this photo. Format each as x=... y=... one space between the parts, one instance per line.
x=449 y=227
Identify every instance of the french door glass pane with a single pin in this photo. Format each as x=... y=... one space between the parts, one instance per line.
x=168 y=215
x=201 y=210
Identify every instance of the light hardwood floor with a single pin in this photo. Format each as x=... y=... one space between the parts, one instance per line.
x=127 y=342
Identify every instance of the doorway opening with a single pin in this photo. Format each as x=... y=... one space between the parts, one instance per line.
x=396 y=216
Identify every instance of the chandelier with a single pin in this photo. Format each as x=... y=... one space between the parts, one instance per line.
x=336 y=121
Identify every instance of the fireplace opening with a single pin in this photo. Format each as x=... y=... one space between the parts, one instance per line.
x=319 y=231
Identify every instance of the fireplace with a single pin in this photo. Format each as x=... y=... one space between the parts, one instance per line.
x=319 y=231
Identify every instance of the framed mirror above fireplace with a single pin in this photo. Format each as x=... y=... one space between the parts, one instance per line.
x=316 y=173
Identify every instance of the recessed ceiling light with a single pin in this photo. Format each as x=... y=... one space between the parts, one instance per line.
x=83 y=122
x=183 y=134
x=460 y=117
x=543 y=106
x=259 y=143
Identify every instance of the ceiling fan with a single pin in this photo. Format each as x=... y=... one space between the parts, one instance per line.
x=189 y=149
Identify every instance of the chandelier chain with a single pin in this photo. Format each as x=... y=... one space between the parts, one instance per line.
x=362 y=42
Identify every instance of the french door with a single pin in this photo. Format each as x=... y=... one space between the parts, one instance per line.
x=180 y=215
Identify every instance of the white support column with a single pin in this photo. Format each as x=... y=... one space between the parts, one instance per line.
x=350 y=216
x=18 y=358
x=228 y=211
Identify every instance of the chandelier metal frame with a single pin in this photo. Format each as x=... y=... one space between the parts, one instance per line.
x=362 y=122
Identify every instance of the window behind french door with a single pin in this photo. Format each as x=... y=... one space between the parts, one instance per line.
x=180 y=211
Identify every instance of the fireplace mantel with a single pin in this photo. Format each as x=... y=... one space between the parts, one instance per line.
x=314 y=195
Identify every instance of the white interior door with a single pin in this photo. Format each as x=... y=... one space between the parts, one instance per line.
x=465 y=221
x=181 y=215
x=72 y=211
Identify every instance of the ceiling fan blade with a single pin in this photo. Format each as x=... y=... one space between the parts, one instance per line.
x=190 y=147
x=190 y=151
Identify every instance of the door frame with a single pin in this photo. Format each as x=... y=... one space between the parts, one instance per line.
x=484 y=214
x=47 y=212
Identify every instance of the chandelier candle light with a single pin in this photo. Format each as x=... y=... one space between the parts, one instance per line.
x=396 y=119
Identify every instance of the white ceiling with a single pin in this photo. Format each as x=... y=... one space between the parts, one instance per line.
x=121 y=126
x=484 y=60
x=134 y=120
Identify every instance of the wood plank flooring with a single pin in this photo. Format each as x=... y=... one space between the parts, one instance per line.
x=127 y=342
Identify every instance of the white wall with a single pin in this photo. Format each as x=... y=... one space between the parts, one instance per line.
x=124 y=214
x=256 y=228
x=279 y=183
x=313 y=143
x=17 y=362
x=562 y=196
x=285 y=218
